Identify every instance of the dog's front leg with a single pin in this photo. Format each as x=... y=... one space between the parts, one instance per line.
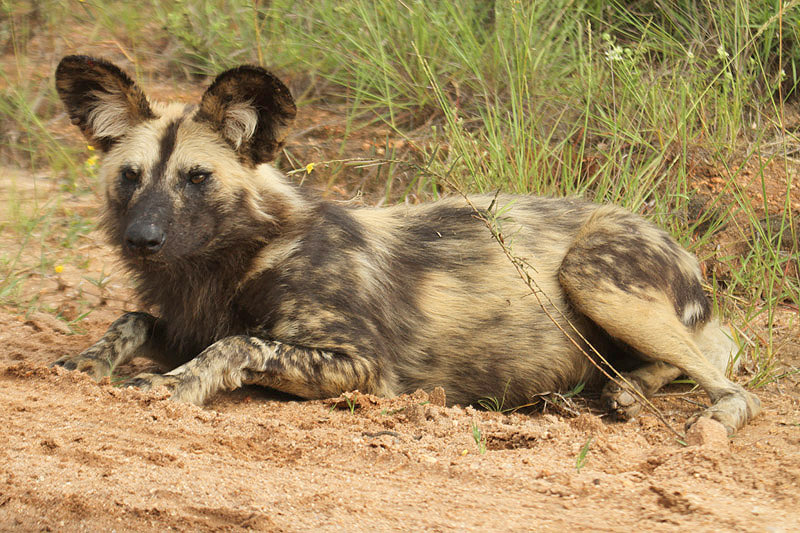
x=130 y=335
x=233 y=361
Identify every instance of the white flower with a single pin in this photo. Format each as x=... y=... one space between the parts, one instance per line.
x=614 y=53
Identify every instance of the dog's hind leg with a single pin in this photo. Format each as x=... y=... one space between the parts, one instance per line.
x=636 y=283
x=233 y=361
x=714 y=341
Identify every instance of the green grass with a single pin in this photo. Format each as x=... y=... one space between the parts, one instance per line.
x=580 y=460
x=612 y=101
x=478 y=437
x=495 y=404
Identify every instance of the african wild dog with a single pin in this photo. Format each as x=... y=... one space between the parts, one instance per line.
x=256 y=281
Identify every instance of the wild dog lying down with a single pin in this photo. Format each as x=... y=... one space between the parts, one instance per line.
x=258 y=282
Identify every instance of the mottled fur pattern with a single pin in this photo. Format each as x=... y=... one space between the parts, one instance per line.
x=257 y=281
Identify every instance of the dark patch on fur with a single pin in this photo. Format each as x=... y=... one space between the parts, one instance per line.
x=196 y=300
x=125 y=188
x=166 y=146
x=635 y=263
x=451 y=240
x=444 y=222
x=281 y=295
x=333 y=232
x=258 y=301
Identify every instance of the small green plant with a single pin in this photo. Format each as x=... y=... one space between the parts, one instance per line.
x=74 y=325
x=577 y=389
x=77 y=227
x=392 y=412
x=491 y=403
x=118 y=380
x=478 y=437
x=580 y=462
x=101 y=282
x=352 y=401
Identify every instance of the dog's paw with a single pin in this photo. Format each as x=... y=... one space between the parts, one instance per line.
x=622 y=403
x=96 y=365
x=182 y=387
x=146 y=382
x=733 y=411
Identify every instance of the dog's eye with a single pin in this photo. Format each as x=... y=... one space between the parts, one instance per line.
x=198 y=176
x=130 y=174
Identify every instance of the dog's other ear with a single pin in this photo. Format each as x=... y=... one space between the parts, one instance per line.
x=100 y=99
x=251 y=109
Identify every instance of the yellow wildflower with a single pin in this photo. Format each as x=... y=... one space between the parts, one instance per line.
x=59 y=269
x=309 y=168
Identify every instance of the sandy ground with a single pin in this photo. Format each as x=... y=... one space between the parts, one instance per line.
x=76 y=455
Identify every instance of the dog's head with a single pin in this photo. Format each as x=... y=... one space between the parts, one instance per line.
x=182 y=181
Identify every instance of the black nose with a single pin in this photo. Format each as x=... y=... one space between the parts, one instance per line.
x=144 y=238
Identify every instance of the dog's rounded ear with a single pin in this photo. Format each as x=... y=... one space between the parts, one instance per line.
x=100 y=98
x=251 y=109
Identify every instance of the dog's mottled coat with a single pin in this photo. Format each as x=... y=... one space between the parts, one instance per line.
x=257 y=281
